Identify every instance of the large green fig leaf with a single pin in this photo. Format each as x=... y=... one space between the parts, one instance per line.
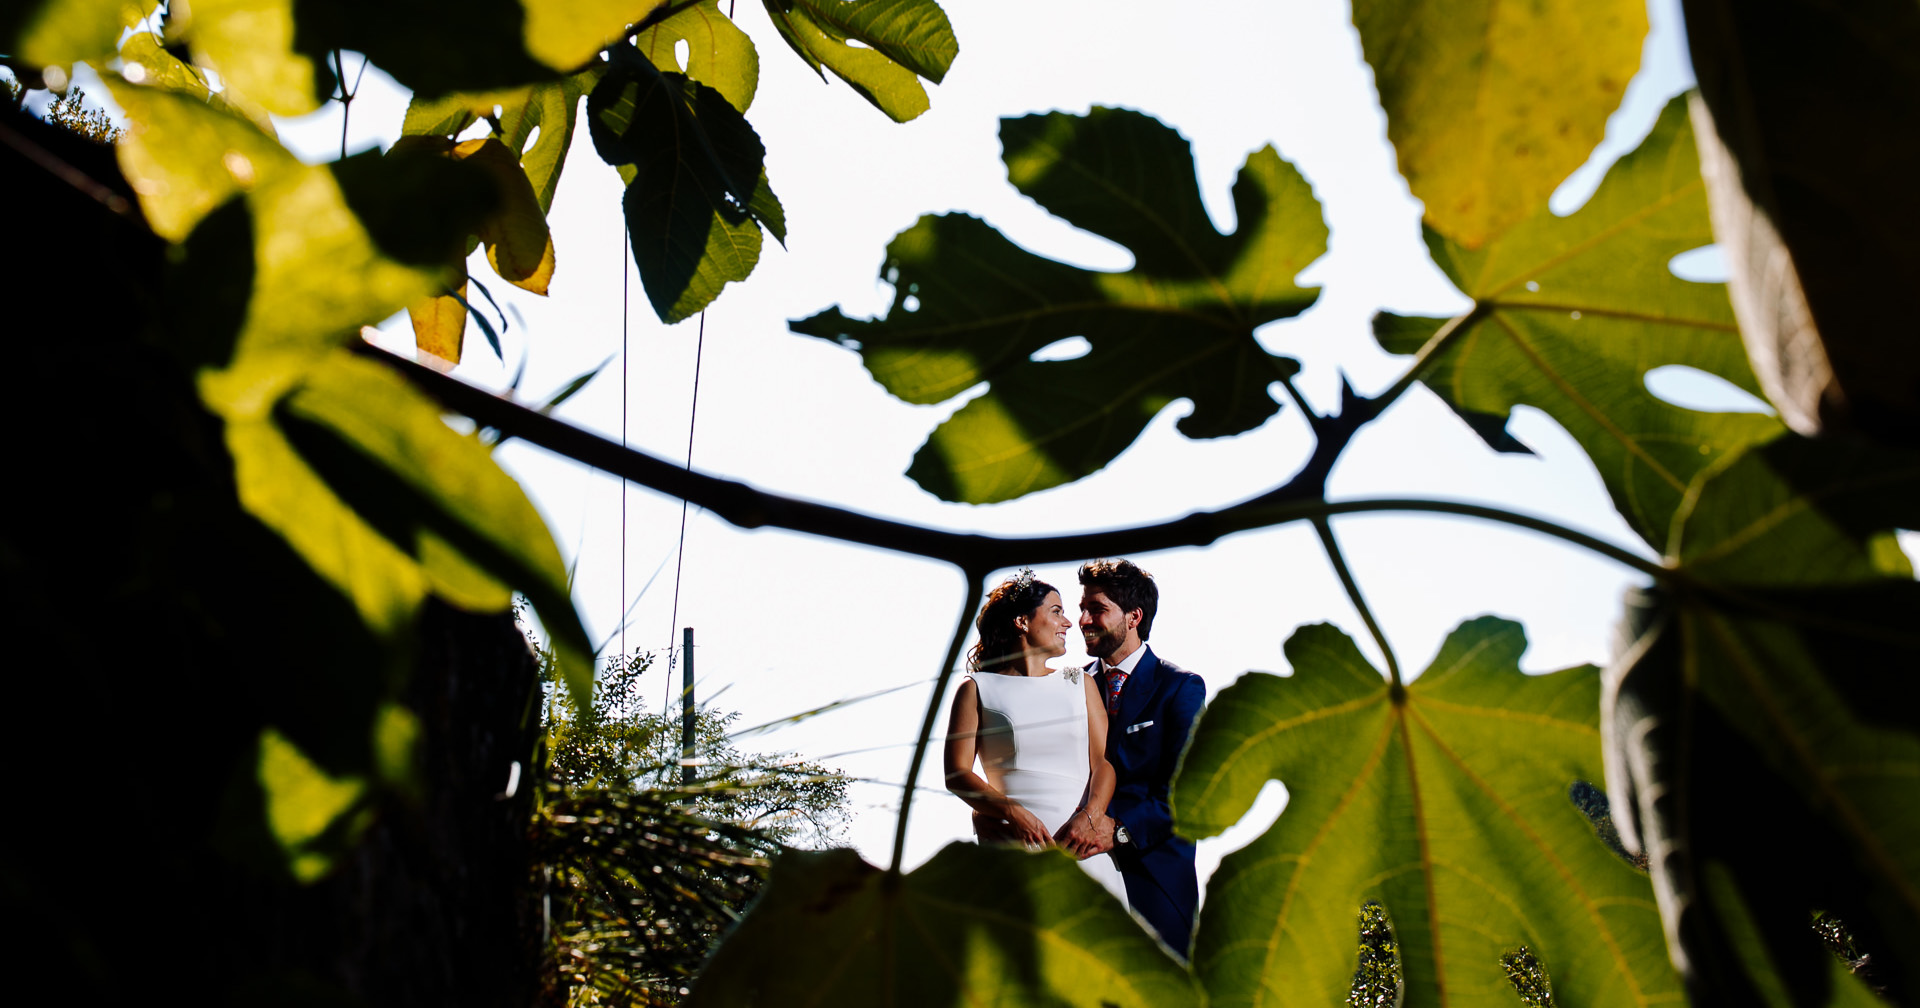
x=1775 y=693
x=1447 y=802
x=719 y=54
x=974 y=926
x=971 y=307
x=697 y=194
x=899 y=41
x=1491 y=105
x=1571 y=312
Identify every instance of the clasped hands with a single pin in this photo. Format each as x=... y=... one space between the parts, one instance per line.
x=1083 y=835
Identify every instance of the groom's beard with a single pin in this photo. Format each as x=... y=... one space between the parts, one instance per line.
x=1100 y=645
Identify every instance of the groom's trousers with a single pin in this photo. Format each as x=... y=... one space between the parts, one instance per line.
x=1162 y=888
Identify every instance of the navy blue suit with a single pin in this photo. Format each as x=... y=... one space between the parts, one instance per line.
x=1158 y=705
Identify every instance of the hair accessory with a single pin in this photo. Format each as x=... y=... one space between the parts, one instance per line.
x=1024 y=579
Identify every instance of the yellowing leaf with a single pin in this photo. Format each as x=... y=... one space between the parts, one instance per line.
x=1449 y=804
x=519 y=246
x=439 y=328
x=1491 y=105
x=973 y=926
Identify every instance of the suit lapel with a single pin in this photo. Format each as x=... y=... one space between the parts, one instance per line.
x=1138 y=692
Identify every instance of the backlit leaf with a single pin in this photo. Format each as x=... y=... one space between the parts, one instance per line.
x=519 y=246
x=1448 y=806
x=900 y=42
x=64 y=32
x=251 y=44
x=440 y=328
x=1575 y=310
x=302 y=803
x=693 y=202
x=719 y=54
x=1491 y=105
x=973 y=926
x=443 y=497
x=971 y=306
x=565 y=34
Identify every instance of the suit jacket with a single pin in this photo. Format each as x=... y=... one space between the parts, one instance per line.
x=1158 y=706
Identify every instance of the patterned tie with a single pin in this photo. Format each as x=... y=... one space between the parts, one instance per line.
x=1116 y=678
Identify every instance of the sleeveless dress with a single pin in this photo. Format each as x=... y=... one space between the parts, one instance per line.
x=1033 y=748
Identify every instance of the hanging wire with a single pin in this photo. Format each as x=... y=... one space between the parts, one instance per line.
x=693 y=417
x=626 y=250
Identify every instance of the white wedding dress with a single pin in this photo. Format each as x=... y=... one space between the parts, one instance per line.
x=1033 y=749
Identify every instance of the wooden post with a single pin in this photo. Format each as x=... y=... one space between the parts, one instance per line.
x=686 y=705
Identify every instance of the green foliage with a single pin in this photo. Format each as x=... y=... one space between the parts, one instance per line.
x=70 y=111
x=900 y=41
x=698 y=196
x=1486 y=127
x=1447 y=803
x=970 y=306
x=975 y=925
x=1571 y=312
x=640 y=870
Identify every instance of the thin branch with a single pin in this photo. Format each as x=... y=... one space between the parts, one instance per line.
x=1435 y=344
x=1339 y=562
x=975 y=587
x=739 y=504
x=53 y=165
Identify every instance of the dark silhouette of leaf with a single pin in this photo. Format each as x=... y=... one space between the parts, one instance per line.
x=973 y=926
x=971 y=307
x=697 y=196
x=1809 y=125
x=1786 y=690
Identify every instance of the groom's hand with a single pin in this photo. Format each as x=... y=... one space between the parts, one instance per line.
x=1086 y=835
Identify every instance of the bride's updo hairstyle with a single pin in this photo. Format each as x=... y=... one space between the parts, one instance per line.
x=1000 y=641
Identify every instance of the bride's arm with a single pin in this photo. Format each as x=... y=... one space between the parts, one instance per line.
x=963 y=729
x=1089 y=832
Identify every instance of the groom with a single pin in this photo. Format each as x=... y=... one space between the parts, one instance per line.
x=1151 y=707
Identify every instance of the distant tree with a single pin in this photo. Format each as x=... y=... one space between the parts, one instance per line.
x=640 y=872
x=70 y=110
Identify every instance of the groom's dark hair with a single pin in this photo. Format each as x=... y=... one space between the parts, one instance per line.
x=1126 y=585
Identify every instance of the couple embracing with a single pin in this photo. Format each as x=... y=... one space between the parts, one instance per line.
x=1079 y=758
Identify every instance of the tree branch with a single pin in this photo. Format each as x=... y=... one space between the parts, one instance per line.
x=975 y=588
x=1299 y=499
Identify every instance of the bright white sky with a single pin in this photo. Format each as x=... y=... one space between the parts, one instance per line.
x=787 y=623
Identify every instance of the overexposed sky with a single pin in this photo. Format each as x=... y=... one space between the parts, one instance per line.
x=788 y=623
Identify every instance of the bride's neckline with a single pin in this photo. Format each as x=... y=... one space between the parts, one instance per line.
x=1015 y=675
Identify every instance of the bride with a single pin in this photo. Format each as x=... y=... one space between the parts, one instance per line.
x=1040 y=734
